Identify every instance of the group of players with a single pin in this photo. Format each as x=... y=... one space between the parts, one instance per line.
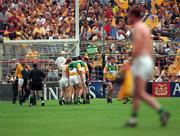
x=76 y=75
x=74 y=81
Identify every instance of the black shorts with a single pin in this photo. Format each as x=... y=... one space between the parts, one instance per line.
x=36 y=86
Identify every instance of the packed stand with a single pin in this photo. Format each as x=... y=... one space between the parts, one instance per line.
x=37 y=19
x=54 y=19
x=162 y=18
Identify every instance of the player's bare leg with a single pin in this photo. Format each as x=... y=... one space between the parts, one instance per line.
x=142 y=95
x=87 y=93
x=77 y=90
x=61 y=96
x=110 y=92
x=81 y=92
x=20 y=93
x=84 y=94
x=66 y=91
x=152 y=102
x=68 y=95
x=135 y=108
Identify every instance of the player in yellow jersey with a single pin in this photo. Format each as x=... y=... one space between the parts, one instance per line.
x=110 y=75
x=19 y=78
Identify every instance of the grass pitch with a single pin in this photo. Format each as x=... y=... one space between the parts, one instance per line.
x=96 y=119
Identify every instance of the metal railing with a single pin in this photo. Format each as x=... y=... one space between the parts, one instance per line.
x=45 y=53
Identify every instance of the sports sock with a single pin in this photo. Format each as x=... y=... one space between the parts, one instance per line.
x=134 y=114
x=31 y=100
x=42 y=99
x=160 y=110
x=87 y=97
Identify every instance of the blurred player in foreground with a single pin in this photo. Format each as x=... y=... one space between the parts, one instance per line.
x=142 y=67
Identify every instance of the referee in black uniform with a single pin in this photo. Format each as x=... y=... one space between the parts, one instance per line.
x=36 y=77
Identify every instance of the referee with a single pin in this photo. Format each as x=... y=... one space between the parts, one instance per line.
x=36 y=77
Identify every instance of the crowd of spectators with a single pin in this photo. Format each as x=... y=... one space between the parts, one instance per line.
x=55 y=19
x=170 y=72
x=115 y=20
x=37 y=19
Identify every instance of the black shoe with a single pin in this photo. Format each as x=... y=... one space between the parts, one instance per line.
x=20 y=102
x=13 y=102
x=126 y=100
x=42 y=104
x=164 y=117
x=109 y=100
x=81 y=102
x=23 y=101
x=69 y=103
x=131 y=123
x=78 y=101
x=34 y=102
x=84 y=101
x=88 y=101
x=64 y=102
x=61 y=102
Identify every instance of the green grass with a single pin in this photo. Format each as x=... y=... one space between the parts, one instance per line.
x=97 y=119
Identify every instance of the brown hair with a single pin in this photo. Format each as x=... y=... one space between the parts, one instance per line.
x=68 y=60
x=135 y=11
